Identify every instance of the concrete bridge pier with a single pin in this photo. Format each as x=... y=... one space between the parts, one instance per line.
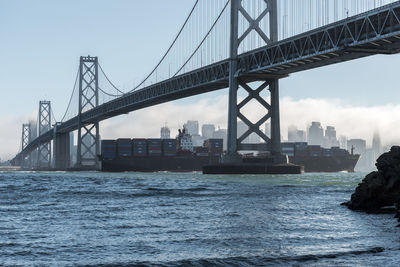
x=61 y=151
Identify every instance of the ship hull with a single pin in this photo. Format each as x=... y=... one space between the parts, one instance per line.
x=326 y=164
x=196 y=163
x=158 y=163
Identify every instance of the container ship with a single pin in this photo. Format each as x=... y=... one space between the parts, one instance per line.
x=152 y=155
x=318 y=159
x=179 y=155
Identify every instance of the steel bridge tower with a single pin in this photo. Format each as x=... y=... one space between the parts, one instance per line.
x=26 y=139
x=272 y=143
x=88 y=133
x=44 y=123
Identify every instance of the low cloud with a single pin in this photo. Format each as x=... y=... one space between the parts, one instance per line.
x=351 y=121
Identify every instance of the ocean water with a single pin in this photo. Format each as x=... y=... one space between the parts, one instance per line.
x=184 y=219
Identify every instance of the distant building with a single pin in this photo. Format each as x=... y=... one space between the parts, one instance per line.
x=222 y=134
x=207 y=131
x=301 y=136
x=330 y=139
x=315 y=134
x=343 y=142
x=192 y=127
x=292 y=133
x=253 y=138
x=198 y=140
x=295 y=135
x=165 y=133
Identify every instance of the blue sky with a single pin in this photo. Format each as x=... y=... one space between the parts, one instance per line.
x=41 y=42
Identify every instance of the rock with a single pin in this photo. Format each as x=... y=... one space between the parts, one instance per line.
x=379 y=188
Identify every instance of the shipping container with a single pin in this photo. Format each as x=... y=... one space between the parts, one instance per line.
x=154 y=147
x=124 y=147
x=108 y=149
x=169 y=147
x=315 y=151
x=327 y=153
x=139 y=147
x=214 y=146
x=201 y=151
x=339 y=152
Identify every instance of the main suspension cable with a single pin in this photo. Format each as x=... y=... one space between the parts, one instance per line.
x=119 y=91
x=70 y=99
x=169 y=49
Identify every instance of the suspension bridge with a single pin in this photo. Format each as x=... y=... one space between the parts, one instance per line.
x=248 y=44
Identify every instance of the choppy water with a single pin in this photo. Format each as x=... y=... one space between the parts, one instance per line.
x=189 y=219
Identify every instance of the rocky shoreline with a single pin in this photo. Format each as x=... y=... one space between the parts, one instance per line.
x=379 y=191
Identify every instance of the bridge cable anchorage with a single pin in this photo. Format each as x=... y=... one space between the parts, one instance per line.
x=169 y=49
x=112 y=84
x=72 y=95
x=204 y=39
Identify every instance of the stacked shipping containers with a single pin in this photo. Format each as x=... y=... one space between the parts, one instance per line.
x=338 y=152
x=139 y=147
x=215 y=146
x=300 y=149
x=169 y=147
x=124 y=147
x=109 y=149
x=201 y=151
x=154 y=147
x=315 y=151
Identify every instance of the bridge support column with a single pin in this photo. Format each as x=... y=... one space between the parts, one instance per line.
x=44 y=153
x=26 y=160
x=62 y=153
x=88 y=133
x=276 y=150
x=273 y=143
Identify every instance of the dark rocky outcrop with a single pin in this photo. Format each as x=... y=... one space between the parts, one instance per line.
x=380 y=188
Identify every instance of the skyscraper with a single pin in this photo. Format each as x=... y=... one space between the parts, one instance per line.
x=165 y=133
x=330 y=139
x=192 y=127
x=207 y=131
x=292 y=133
x=315 y=134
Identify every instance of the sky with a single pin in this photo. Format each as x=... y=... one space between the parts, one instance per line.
x=42 y=40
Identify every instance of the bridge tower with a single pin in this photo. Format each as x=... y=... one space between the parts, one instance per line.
x=44 y=123
x=26 y=139
x=88 y=133
x=272 y=143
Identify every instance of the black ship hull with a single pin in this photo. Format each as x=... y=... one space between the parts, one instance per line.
x=158 y=163
x=196 y=163
x=326 y=164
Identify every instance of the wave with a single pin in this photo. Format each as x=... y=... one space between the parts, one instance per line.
x=249 y=261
